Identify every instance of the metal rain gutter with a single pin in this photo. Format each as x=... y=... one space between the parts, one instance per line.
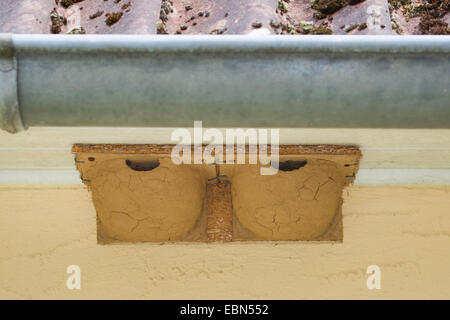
x=10 y=119
x=225 y=81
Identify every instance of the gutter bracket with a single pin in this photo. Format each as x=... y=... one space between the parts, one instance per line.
x=10 y=119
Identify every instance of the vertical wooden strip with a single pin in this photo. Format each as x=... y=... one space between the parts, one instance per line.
x=219 y=211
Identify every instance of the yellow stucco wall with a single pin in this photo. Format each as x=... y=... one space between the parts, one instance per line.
x=403 y=230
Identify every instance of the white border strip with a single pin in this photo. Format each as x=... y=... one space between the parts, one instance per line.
x=392 y=177
x=55 y=177
x=365 y=177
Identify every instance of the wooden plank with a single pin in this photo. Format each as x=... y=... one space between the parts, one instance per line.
x=219 y=211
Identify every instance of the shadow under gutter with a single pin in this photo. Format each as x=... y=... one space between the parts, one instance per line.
x=225 y=81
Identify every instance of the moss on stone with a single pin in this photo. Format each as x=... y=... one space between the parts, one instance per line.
x=112 y=18
x=321 y=30
x=328 y=6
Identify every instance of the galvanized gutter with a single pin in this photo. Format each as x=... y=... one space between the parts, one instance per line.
x=10 y=119
x=227 y=81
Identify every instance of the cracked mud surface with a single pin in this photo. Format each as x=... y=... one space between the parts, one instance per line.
x=296 y=205
x=145 y=197
x=162 y=204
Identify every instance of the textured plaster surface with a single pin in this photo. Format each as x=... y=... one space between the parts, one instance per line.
x=403 y=230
